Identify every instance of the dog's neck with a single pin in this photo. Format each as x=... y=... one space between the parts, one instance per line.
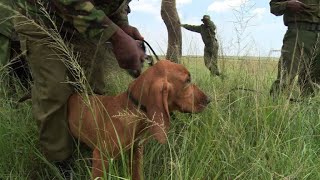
x=136 y=102
x=129 y=102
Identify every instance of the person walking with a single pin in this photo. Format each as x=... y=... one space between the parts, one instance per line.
x=208 y=34
x=300 y=53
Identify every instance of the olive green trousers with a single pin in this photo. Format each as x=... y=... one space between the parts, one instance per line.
x=300 y=55
x=4 y=60
x=211 y=59
x=4 y=50
x=51 y=70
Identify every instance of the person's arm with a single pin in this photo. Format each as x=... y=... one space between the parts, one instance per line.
x=86 y=19
x=192 y=28
x=120 y=17
x=278 y=7
x=94 y=24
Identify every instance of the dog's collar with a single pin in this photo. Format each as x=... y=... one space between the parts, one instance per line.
x=136 y=102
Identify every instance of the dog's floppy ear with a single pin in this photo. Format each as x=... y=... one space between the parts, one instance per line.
x=157 y=110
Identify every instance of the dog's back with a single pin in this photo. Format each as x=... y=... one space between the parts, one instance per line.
x=103 y=118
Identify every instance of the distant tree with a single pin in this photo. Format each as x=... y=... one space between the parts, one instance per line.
x=171 y=19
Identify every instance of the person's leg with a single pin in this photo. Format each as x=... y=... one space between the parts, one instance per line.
x=309 y=74
x=50 y=91
x=100 y=65
x=315 y=75
x=4 y=50
x=49 y=99
x=215 y=59
x=210 y=60
x=289 y=63
x=91 y=58
x=19 y=69
x=4 y=60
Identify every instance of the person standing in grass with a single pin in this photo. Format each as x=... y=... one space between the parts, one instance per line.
x=208 y=34
x=85 y=26
x=300 y=53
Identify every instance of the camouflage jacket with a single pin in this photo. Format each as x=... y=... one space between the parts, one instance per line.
x=93 y=19
x=208 y=33
x=6 y=25
x=278 y=8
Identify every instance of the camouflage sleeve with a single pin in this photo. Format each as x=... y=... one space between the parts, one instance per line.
x=192 y=28
x=120 y=15
x=121 y=18
x=278 y=7
x=88 y=20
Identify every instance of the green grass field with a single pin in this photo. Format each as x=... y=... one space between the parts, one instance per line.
x=241 y=135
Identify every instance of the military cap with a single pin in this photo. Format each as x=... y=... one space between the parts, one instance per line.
x=205 y=17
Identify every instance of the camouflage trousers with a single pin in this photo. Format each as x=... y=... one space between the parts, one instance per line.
x=51 y=70
x=300 y=55
x=4 y=50
x=211 y=59
x=4 y=60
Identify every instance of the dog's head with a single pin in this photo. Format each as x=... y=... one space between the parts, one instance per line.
x=163 y=88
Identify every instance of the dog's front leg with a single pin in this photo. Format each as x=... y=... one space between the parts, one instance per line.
x=136 y=162
x=97 y=164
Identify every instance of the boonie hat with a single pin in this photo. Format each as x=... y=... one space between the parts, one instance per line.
x=205 y=17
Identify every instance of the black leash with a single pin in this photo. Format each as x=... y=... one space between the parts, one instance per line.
x=154 y=53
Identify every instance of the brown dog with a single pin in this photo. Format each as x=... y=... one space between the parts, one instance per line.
x=111 y=125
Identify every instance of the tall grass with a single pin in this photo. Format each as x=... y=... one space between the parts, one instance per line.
x=241 y=135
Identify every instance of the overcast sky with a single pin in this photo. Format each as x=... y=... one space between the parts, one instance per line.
x=262 y=32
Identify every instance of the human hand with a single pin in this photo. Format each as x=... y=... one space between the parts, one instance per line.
x=128 y=52
x=132 y=31
x=296 y=6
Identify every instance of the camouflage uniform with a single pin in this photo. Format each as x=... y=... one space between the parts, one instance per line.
x=211 y=47
x=86 y=27
x=300 y=51
x=6 y=28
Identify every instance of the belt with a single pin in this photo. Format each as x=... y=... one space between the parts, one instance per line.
x=304 y=26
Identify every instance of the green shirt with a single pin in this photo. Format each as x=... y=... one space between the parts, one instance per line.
x=93 y=19
x=279 y=8
x=208 y=33
x=6 y=25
